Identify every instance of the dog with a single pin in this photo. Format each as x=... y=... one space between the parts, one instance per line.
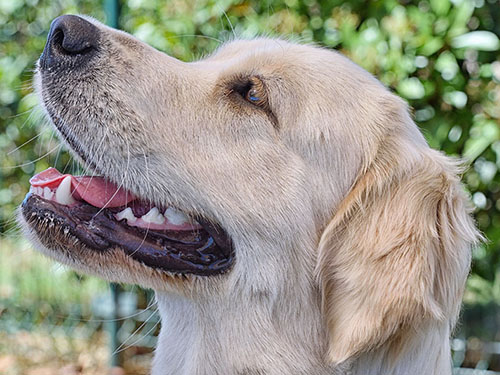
x=280 y=201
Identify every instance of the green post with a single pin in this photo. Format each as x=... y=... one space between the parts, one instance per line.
x=114 y=326
x=112 y=10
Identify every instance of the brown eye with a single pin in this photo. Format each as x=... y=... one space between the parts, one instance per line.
x=256 y=92
x=253 y=96
x=253 y=90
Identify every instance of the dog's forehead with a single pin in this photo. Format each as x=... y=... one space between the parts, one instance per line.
x=301 y=63
x=238 y=47
x=258 y=54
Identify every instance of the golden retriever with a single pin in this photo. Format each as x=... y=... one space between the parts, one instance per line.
x=279 y=199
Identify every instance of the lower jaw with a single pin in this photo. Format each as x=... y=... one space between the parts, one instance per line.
x=204 y=252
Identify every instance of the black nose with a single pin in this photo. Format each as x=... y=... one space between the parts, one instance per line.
x=72 y=41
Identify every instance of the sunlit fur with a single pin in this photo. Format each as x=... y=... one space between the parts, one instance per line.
x=352 y=237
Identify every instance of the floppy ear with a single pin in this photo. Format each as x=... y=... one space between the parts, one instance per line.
x=397 y=251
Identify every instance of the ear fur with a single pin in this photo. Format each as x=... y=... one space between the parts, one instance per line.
x=397 y=251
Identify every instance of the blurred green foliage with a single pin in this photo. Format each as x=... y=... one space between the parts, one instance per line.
x=440 y=55
x=27 y=278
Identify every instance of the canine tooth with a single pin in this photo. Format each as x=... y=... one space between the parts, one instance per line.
x=126 y=214
x=47 y=193
x=63 y=192
x=175 y=216
x=153 y=216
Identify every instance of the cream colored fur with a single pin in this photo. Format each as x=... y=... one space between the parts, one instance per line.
x=352 y=237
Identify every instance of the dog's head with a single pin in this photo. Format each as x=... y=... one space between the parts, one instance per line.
x=302 y=172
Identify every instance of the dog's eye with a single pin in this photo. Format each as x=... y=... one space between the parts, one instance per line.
x=255 y=92
x=253 y=96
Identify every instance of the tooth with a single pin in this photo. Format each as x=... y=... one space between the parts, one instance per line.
x=126 y=214
x=153 y=216
x=47 y=193
x=63 y=192
x=175 y=216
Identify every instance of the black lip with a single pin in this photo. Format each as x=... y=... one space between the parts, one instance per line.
x=205 y=252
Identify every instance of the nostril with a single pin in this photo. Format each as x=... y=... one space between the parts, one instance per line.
x=57 y=38
x=70 y=44
x=70 y=37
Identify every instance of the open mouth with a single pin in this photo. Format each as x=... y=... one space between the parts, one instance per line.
x=103 y=216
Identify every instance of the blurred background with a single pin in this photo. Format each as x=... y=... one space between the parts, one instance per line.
x=442 y=56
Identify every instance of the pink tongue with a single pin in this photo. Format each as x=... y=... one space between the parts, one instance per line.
x=96 y=191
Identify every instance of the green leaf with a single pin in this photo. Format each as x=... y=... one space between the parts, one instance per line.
x=457 y=99
x=484 y=133
x=431 y=46
x=440 y=7
x=477 y=40
x=411 y=88
x=447 y=65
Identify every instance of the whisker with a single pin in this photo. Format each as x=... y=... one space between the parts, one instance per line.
x=12 y=232
x=50 y=141
x=142 y=243
x=136 y=341
x=94 y=172
x=20 y=114
x=124 y=177
x=28 y=141
x=57 y=157
x=150 y=306
x=147 y=179
x=196 y=36
x=117 y=350
x=33 y=161
x=228 y=20
x=70 y=160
